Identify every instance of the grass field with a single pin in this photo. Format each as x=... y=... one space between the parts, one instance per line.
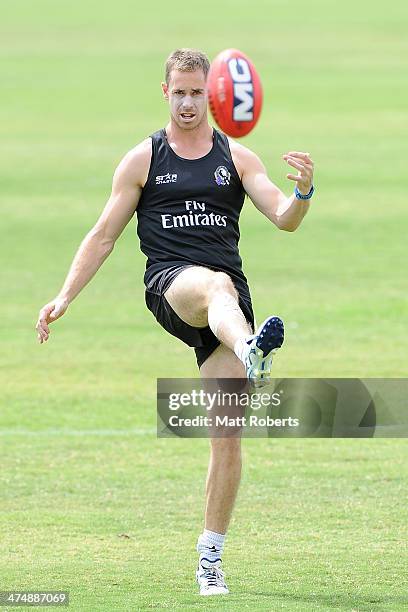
x=319 y=524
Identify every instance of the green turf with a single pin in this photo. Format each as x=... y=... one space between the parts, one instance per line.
x=319 y=524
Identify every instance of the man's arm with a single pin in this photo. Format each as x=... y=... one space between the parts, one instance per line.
x=128 y=180
x=286 y=213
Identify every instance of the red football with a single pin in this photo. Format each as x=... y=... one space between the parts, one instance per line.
x=234 y=93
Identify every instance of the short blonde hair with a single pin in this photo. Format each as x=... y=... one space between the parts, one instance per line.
x=186 y=60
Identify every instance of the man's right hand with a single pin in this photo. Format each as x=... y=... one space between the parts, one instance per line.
x=48 y=314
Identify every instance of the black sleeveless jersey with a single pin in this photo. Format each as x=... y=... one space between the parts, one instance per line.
x=189 y=210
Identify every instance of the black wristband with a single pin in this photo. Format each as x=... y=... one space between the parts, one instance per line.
x=300 y=196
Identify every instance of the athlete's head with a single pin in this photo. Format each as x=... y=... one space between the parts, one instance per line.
x=185 y=87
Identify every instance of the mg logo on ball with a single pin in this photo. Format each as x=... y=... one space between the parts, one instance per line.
x=243 y=109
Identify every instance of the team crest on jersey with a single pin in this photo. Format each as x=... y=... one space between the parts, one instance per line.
x=222 y=176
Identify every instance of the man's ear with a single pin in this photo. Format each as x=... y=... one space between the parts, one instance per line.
x=165 y=90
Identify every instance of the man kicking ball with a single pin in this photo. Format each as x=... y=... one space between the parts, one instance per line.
x=187 y=184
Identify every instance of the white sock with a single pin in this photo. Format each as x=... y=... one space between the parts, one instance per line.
x=210 y=544
x=241 y=348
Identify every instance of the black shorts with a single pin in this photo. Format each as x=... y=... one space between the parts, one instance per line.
x=201 y=338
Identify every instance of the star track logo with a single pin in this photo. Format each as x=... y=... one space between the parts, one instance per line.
x=166 y=178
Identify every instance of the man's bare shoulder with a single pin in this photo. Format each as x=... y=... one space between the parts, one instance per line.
x=135 y=165
x=242 y=156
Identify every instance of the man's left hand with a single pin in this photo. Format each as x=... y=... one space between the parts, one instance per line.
x=304 y=165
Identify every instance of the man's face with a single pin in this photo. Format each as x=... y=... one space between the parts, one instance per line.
x=187 y=96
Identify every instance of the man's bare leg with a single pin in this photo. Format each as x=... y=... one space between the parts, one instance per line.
x=202 y=297
x=224 y=470
x=193 y=294
x=198 y=295
x=223 y=478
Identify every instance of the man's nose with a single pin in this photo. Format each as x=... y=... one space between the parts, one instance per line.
x=187 y=101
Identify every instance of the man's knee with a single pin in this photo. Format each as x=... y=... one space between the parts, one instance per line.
x=211 y=284
x=192 y=291
x=220 y=282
